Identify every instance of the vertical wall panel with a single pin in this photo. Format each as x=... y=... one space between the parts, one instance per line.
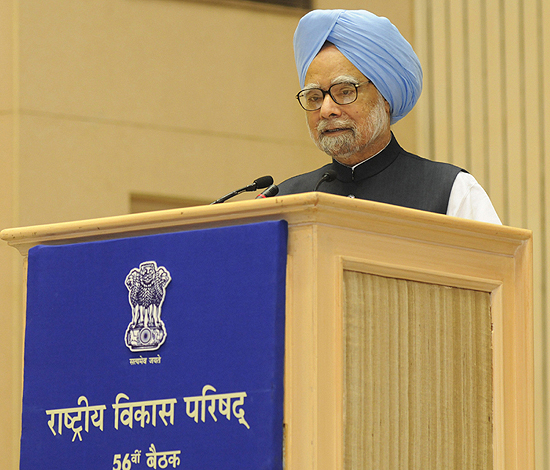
x=458 y=85
x=543 y=324
x=495 y=105
x=474 y=28
x=486 y=106
x=442 y=140
x=532 y=114
x=514 y=126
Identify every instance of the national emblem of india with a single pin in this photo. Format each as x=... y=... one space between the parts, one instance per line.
x=146 y=292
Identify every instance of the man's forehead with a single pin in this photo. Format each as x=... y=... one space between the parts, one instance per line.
x=329 y=66
x=344 y=78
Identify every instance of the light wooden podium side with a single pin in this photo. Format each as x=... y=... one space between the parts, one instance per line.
x=408 y=334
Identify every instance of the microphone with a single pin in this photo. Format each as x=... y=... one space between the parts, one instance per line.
x=259 y=183
x=328 y=176
x=269 y=192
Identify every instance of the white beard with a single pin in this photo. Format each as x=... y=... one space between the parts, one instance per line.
x=343 y=146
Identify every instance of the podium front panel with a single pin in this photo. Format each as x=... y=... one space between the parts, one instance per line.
x=418 y=375
x=161 y=351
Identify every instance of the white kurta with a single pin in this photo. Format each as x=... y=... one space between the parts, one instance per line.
x=470 y=201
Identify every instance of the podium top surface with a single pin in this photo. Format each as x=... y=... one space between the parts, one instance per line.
x=297 y=210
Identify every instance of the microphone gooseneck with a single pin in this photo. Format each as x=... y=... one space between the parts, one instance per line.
x=328 y=176
x=259 y=183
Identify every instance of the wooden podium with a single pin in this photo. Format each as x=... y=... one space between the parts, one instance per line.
x=408 y=334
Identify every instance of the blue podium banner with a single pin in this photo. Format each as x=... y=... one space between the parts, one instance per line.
x=163 y=351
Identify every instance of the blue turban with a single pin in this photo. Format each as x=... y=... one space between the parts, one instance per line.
x=372 y=44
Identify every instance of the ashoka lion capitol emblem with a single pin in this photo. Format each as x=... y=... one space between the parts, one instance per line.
x=147 y=289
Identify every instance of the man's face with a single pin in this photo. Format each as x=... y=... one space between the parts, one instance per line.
x=353 y=132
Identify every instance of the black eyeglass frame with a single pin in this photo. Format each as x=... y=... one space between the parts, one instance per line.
x=327 y=92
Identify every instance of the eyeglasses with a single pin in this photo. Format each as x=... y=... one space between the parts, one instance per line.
x=311 y=99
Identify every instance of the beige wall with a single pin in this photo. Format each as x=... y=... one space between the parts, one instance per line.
x=164 y=97
x=100 y=99
x=10 y=285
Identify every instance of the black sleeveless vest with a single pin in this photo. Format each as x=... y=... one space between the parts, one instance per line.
x=394 y=176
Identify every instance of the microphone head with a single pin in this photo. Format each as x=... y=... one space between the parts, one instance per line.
x=269 y=192
x=263 y=182
x=260 y=183
x=273 y=190
x=329 y=175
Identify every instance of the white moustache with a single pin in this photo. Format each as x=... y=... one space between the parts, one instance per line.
x=335 y=124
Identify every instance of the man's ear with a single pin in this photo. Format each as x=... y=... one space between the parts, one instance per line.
x=387 y=106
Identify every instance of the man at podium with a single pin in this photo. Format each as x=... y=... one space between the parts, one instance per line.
x=358 y=76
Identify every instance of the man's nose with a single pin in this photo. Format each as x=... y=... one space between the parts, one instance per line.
x=329 y=107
